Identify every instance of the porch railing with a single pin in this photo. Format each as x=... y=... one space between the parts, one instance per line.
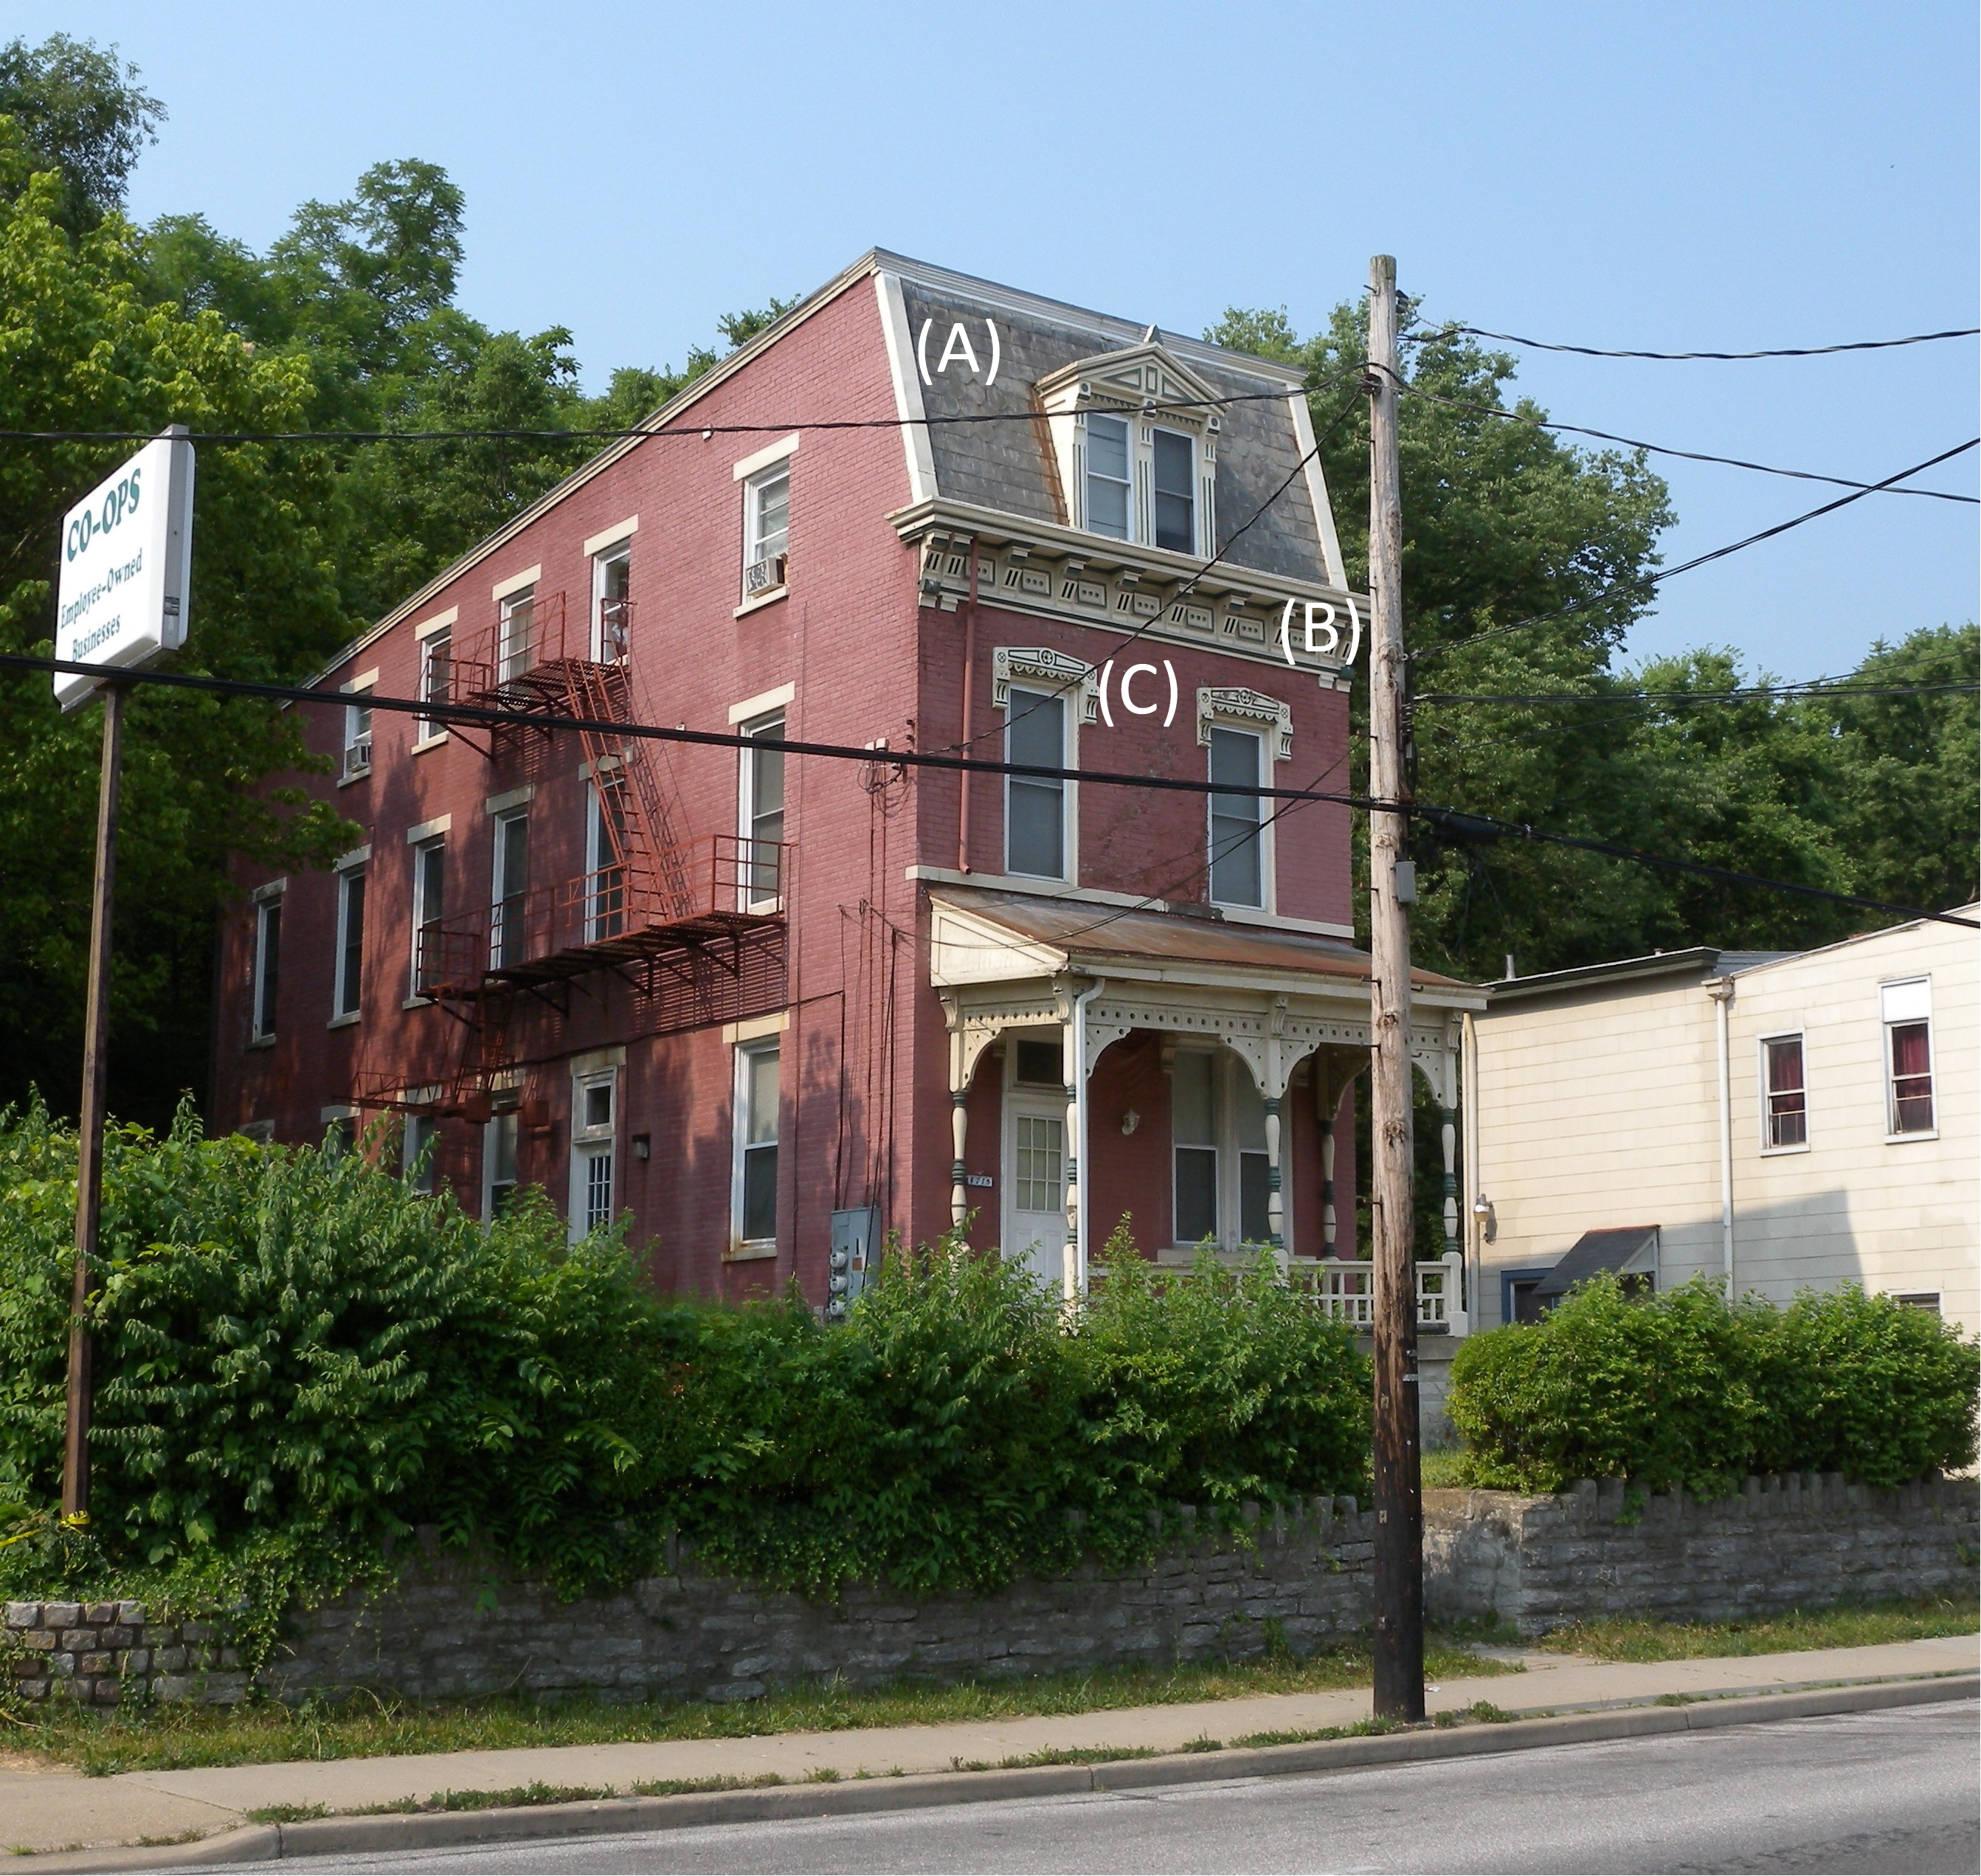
x=1347 y=1291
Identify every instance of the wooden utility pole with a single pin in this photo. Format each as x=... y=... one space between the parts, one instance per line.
x=1399 y=1640
x=89 y=1141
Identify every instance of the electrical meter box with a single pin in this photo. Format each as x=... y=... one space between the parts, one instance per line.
x=855 y=1255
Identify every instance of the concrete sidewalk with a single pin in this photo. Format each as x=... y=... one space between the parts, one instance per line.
x=48 y=1809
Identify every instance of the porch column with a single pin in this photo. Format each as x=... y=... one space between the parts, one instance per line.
x=1448 y=1130
x=959 y=1128
x=1276 y=1203
x=1327 y=1098
x=1072 y=1264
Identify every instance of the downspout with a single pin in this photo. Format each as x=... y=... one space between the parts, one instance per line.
x=969 y=669
x=1474 y=1186
x=1721 y=991
x=1084 y=1172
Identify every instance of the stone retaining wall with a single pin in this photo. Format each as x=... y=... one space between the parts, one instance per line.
x=1801 y=1541
x=453 y=1627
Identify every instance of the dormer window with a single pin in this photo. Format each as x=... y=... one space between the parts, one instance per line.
x=1135 y=433
x=1108 y=482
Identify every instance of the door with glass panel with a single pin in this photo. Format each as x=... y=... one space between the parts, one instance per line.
x=1035 y=1183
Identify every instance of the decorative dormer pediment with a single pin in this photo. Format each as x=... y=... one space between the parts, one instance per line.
x=1134 y=436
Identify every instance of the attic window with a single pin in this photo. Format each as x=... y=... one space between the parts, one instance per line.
x=1175 y=461
x=1107 y=479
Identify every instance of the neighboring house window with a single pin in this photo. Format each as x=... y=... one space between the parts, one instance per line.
x=357 y=734
x=1193 y=1144
x=1237 y=871
x=516 y=635
x=1107 y=478
x=611 y=604
x=766 y=523
x=268 y=964
x=1787 y=1098
x=436 y=678
x=1035 y=805
x=1176 y=491
x=756 y=1170
x=1217 y=1139
x=604 y=859
x=340 y=1134
x=1907 y=1014
x=349 y=967
x=594 y=1126
x=422 y=1150
x=761 y=817
x=510 y=890
x=498 y=1163
x=429 y=902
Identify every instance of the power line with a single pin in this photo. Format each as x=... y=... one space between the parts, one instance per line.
x=1779 y=351
x=1815 y=688
x=1663 y=449
x=1461 y=823
x=1642 y=585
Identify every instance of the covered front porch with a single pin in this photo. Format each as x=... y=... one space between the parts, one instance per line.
x=1191 y=1073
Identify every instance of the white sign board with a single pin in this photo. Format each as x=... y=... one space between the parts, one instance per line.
x=126 y=567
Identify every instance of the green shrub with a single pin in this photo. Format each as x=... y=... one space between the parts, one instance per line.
x=298 y=1358
x=1685 y=1389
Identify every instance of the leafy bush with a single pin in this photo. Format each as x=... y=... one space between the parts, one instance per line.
x=1685 y=1389
x=298 y=1358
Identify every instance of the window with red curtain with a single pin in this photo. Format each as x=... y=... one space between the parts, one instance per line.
x=1912 y=1076
x=1788 y=1112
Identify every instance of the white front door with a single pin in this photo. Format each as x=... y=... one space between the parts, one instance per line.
x=1035 y=1183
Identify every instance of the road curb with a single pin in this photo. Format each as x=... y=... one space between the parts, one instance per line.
x=358 y=1836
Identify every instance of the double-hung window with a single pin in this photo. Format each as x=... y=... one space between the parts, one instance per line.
x=510 y=888
x=1784 y=1093
x=755 y=1226
x=1219 y=1165
x=1108 y=481
x=516 y=635
x=605 y=859
x=498 y=1163
x=358 y=735
x=1237 y=867
x=268 y=964
x=422 y=1151
x=761 y=814
x=1193 y=1144
x=593 y=1130
x=1035 y=805
x=348 y=970
x=436 y=679
x=611 y=604
x=429 y=907
x=1174 y=468
x=1907 y=1009
x=766 y=531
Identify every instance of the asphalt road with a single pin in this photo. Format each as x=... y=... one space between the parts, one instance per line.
x=1895 y=1792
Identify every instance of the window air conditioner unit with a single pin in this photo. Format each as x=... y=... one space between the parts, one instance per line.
x=357 y=756
x=765 y=576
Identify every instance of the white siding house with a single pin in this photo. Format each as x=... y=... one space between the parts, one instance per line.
x=1804 y=1119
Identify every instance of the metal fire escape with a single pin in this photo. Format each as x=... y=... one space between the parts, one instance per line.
x=695 y=929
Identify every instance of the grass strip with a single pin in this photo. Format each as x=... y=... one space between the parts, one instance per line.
x=1640 y=1638
x=178 y=1737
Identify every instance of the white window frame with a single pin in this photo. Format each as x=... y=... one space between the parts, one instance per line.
x=1916 y=1007
x=357 y=729
x=610 y=648
x=499 y=885
x=591 y=1142
x=1127 y=420
x=505 y=1116
x=1226 y=1065
x=423 y=915
x=512 y=659
x=1031 y=689
x=418 y=1130
x=1262 y=774
x=435 y=653
x=755 y=540
x=742 y=1119
x=749 y=898
x=1769 y=1148
x=1196 y=502
x=346 y=1000
x=267 y=905
x=606 y=907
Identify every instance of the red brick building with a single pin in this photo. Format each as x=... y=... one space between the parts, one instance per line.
x=752 y=1000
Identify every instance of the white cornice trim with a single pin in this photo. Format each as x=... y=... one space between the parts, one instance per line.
x=1128 y=902
x=1317 y=489
x=908 y=405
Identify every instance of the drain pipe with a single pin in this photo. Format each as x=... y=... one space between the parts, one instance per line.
x=1721 y=991
x=969 y=668
x=1076 y=1276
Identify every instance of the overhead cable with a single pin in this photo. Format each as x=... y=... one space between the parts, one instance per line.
x=1778 y=351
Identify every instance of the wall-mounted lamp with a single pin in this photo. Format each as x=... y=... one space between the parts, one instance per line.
x=1130 y=1121
x=1482 y=1210
x=643 y=1146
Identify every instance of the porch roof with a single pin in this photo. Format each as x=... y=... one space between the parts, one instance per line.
x=1019 y=935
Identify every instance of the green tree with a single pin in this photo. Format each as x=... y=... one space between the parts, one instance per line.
x=81 y=114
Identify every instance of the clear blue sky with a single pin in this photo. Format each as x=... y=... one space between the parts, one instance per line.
x=1674 y=177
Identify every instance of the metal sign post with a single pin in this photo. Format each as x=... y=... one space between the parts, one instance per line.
x=126 y=564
